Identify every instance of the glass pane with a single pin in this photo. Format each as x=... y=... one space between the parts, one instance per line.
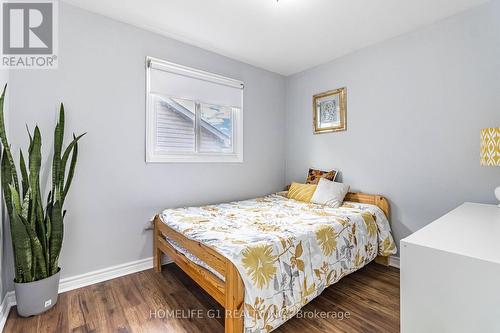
x=328 y=111
x=216 y=128
x=174 y=124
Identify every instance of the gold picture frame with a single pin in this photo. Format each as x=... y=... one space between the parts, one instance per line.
x=329 y=111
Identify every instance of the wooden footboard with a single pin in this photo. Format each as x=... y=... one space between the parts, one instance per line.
x=228 y=293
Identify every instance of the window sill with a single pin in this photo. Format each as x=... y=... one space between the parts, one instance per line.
x=200 y=158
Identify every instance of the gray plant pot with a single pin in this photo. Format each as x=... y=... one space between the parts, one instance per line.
x=36 y=297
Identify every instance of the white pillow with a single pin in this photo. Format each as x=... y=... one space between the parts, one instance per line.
x=330 y=193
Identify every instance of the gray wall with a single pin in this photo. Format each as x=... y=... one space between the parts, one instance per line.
x=101 y=80
x=4 y=78
x=415 y=108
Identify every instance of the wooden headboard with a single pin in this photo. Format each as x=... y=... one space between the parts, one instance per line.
x=372 y=199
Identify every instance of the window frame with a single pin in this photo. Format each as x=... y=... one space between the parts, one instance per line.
x=153 y=156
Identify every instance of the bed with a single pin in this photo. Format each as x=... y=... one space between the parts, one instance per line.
x=263 y=259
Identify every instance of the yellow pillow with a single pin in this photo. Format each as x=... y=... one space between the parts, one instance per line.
x=301 y=192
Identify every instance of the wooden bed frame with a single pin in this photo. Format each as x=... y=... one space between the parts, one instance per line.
x=230 y=292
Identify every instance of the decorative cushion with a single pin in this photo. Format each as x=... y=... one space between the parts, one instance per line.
x=314 y=175
x=301 y=192
x=330 y=193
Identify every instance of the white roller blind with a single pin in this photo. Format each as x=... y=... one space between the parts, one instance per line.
x=185 y=83
x=192 y=115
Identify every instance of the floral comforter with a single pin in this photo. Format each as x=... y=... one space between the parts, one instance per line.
x=287 y=252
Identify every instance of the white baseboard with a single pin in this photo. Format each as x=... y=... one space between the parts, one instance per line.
x=394 y=261
x=83 y=280
x=100 y=275
x=8 y=301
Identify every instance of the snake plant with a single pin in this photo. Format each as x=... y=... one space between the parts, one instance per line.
x=36 y=226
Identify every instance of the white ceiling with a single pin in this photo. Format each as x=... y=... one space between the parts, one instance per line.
x=284 y=37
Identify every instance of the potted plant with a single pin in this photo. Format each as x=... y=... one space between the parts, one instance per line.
x=36 y=225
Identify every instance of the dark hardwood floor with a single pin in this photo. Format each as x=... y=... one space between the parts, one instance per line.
x=130 y=303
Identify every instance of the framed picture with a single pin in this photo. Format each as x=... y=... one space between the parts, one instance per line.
x=329 y=111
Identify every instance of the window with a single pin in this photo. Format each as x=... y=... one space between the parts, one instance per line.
x=192 y=115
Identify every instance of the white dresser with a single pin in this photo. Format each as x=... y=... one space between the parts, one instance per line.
x=450 y=273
